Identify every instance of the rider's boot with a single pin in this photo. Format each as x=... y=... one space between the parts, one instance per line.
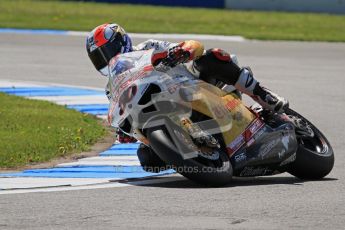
x=123 y=138
x=266 y=98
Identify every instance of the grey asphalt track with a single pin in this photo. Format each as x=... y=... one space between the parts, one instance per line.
x=310 y=75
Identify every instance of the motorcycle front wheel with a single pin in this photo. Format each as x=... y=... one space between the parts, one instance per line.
x=207 y=172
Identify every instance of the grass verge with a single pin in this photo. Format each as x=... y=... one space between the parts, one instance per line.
x=37 y=131
x=83 y=16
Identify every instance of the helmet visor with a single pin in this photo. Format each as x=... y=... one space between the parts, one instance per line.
x=112 y=48
x=98 y=59
x=101 y=56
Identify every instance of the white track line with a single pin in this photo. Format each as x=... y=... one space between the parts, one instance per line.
x=234 y=38
x=62 y=188
x=74 y=100
x=39 y=182
x=96 y=186
x=100 y=163
x=14 y=83
x=111 y=158
x=106 y=161
x=174 y=36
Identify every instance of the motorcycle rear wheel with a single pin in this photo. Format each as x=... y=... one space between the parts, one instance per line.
x=315 y=157
x=203 y=171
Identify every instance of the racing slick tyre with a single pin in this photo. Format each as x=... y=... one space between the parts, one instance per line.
x=204 y=171
x=315 y=157
x=149 y=159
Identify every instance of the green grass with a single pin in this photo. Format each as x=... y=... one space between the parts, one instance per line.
x=37 y=131
x=136 y=18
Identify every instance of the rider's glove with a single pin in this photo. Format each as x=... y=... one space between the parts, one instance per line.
x=124 y=138
x=176 y=55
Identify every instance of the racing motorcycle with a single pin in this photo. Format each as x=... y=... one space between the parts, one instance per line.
x=172 y=111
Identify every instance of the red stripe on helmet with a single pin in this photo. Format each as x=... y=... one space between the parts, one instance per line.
x=99 y=37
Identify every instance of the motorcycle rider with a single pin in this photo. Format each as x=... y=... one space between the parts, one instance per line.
x=213 y=66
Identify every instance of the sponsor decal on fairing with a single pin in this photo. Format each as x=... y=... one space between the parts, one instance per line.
x=236 y=144
x=265 y=149
x=246 y=136
x=256 y=171
x=241 y=157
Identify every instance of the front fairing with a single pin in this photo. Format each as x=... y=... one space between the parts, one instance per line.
x=131 y=75
x=122 y=90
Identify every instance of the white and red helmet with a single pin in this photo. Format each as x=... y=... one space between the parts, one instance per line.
x=105 y=42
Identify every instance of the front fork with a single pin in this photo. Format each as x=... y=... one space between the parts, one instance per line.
x=200 y=136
